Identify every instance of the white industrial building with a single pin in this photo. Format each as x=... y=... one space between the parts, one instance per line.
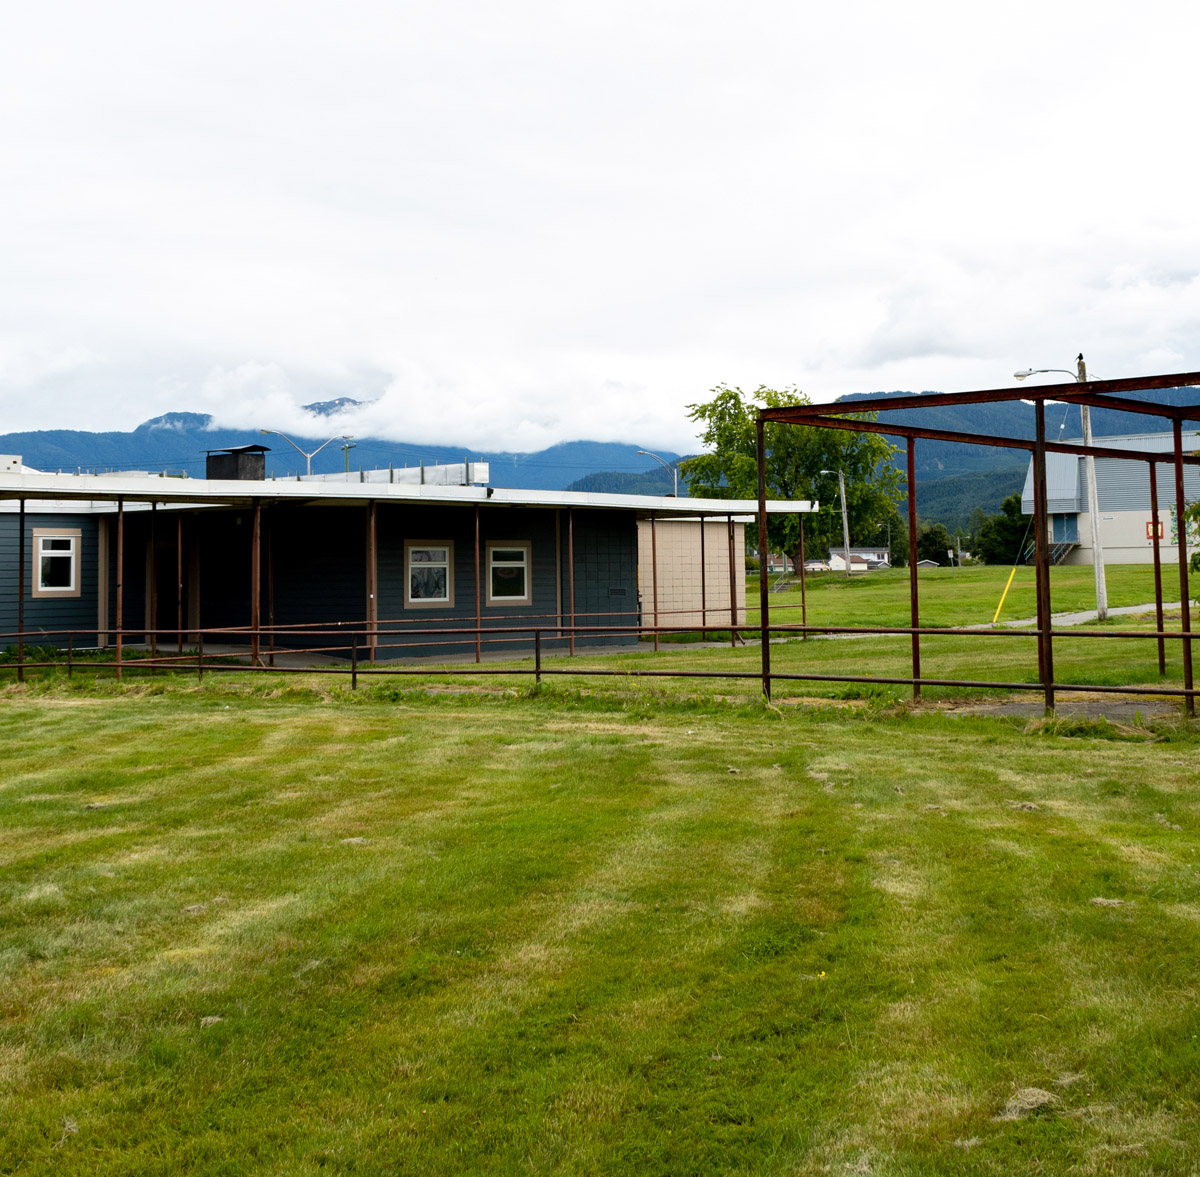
x=1127 y=524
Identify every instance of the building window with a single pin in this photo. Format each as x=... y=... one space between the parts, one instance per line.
x=508 y=574
x=428 y=575
x=56 y=562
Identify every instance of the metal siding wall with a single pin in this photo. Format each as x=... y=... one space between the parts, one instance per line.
x=1125 y=485
x=606 y=550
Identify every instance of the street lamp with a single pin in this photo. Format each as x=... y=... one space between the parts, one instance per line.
x=1080 y=377
x=665 y=466
x=307 y=456
x=845 y=517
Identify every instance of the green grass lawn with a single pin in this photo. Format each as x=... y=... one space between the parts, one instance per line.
x=958 y=596
x=274 y=927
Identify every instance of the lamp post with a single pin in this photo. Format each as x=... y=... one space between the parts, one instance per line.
x=845 y=517
x=307 y=456
x=665 y=466
x=1080 y=377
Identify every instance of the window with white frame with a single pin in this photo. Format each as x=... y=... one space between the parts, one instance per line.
x=428 y=575
x=508 y=574
x=56 y=562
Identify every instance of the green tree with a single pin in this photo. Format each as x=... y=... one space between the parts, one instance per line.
x=1000 y=537
x=796 y=455
x=1191 y=516
x=934 y=542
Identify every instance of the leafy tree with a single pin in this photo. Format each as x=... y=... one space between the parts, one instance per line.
x=1191 y=516
x=934 y=542
x=1000 y=537
x=796 y=455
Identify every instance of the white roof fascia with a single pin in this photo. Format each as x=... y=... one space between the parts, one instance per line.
x=80 y=489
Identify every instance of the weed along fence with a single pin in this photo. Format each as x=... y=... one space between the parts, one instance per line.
x=1090 y=393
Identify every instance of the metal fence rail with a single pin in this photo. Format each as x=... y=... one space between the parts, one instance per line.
x=357 y=650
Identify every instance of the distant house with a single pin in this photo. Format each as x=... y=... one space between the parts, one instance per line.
x=861 y=559
x=928 y=564
x=360 y=551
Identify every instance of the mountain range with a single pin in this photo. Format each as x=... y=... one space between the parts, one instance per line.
x=938 y=459
x=177 y=442
x=955 y=478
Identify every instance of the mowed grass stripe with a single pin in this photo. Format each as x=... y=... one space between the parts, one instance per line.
x=590 y=938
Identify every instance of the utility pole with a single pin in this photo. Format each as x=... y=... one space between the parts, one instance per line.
x=845 y=517
x=1089 y=465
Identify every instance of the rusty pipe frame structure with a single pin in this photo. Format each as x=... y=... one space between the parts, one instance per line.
x=859 y=416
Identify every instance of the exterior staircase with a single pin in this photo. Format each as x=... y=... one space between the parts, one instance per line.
x=1058 y=551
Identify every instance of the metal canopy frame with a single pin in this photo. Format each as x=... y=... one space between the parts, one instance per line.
x=1094 y=393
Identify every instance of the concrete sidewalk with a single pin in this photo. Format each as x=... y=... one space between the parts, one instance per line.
x=1082 y=618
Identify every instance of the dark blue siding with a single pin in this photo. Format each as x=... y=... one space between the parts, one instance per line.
x=318 y=558
x=605 y=571
x=43 y=613
x=605 y=558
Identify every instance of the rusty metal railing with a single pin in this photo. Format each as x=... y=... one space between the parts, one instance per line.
x=356 y=650
x=860 y=416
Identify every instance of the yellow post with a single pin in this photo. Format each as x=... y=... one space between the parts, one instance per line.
x=1004 y=594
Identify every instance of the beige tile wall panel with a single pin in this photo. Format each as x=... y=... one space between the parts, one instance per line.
x=677 y=543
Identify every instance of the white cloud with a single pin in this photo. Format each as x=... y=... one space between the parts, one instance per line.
x=513 y=225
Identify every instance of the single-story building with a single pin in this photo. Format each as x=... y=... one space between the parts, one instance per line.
x=142 y=553
x=1127 y=524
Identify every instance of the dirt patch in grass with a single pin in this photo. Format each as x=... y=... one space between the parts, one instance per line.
x=1028 y=1101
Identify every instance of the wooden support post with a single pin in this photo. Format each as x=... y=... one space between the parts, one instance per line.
x=1158 y=591
x=21 y=590
x=372 y=580
x=179 y=581
x=803 y=586
x=271 y=590
x=733 y=634
x=153 y=580
x=478 y=594
x=120 y=581
x=914 y=605
x=654 y=573
x=1042 y=557
x=764 y=589
x=1185 y=610
x=571 y=575
x=255 y=584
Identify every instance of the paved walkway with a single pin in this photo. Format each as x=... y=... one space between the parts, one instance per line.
x=1082 y=618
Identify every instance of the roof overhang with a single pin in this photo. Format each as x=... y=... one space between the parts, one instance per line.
x=101 y=492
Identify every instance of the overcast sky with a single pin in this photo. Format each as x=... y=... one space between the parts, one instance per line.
x=514 y=224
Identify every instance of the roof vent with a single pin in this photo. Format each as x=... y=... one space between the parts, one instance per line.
x=242 y=463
